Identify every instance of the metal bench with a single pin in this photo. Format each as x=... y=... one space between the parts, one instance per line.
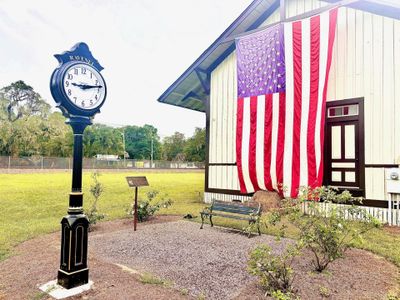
x=249 y=211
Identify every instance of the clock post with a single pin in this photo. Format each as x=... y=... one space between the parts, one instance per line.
x=74 y=270
x=79 y=90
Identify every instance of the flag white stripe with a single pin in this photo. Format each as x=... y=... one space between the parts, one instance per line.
x=305 y=101
x=274 y=139
x=324 y=40
x=259 y=144
x=288 y=147
x=245 y=145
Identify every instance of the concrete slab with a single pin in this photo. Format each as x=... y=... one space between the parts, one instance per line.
x=58 y=292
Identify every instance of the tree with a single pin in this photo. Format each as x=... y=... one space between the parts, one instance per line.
x=36 y=136
x=57 y=137
x=22 y=114
x=138 y=142
x=102 y=139
x=173 y=147
x=19 y=100
x=195 y=147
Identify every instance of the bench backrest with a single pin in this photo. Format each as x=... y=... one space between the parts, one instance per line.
x=236 y=208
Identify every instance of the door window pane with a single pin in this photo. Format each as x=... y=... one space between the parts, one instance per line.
x=343 y=111
x=336 y=142
x=350 y=177
x=337 y=176
x=350 y=141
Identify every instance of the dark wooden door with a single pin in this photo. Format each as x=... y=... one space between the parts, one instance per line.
x=344 y=146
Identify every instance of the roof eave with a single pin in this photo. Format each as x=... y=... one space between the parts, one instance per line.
x=210 y=49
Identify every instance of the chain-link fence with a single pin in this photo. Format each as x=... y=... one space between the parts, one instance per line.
x=40 y=162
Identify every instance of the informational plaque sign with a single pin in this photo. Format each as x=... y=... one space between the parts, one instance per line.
x=135 y=181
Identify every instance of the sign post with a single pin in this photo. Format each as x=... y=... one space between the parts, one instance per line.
x=79 y=90
x=136 y=181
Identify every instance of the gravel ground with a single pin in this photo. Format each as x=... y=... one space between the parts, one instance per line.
x=209 y=262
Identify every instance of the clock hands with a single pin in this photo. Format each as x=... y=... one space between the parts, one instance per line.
x=86 y=86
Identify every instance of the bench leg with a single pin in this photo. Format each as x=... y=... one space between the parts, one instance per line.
x=258 y=228
x=202 y=220
x=211 y=221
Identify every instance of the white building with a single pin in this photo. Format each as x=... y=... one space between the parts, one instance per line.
x=364 y=81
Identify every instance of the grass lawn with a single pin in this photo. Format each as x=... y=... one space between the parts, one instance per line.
x=33 y=204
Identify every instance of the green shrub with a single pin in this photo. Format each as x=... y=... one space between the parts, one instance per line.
x=147 y=208
x=96 y=189
x=279 y=295
x=327 y=233
x=274 y=270
x=324 y=292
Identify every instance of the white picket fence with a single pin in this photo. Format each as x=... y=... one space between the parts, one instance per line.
x=390 y=216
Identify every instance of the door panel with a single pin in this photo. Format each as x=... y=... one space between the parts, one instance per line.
x=342 y=158
x=344 y=151
x=350 y=141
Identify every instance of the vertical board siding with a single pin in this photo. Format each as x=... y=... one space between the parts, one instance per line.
x=209 y=197
x=375 y=183
x=396 y=74
x=223 y=177
x=222 y=111
x=365 y=63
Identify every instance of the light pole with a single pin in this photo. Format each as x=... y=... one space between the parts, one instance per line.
x=123 y=141
x=151 y=164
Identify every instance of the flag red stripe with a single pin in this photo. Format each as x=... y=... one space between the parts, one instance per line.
x=281 y=141
x=267 y=141
x=253 y=143
x=332 y=31
x=297 y=81
x=239 y=136
x=314 y=88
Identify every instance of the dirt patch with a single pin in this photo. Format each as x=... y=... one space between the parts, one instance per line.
x=392 y=229
x=211 y=262
x=37 y=262
x=360 y=275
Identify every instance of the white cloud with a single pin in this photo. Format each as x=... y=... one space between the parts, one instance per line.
x=143 y=45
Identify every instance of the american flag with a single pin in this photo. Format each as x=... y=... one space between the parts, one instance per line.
x=282 y=75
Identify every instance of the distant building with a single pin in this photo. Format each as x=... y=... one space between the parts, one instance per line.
x=107 y=157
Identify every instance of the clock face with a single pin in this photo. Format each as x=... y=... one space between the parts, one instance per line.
x=84 y=86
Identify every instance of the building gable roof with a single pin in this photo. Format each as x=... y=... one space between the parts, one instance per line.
x=192 y=88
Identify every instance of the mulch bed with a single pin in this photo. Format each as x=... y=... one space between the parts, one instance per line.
x=210 y=262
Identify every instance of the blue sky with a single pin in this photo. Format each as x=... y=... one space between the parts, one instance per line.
x=144 y=45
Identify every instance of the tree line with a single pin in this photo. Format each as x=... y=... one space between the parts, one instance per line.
x=28 y=127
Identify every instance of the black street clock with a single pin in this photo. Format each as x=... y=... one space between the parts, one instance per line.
x=77 y=85
x=79 y=90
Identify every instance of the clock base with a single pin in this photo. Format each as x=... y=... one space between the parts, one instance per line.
x=73 y=269
x=73 y=279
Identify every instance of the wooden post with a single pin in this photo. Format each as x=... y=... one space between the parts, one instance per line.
x=135 y=207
